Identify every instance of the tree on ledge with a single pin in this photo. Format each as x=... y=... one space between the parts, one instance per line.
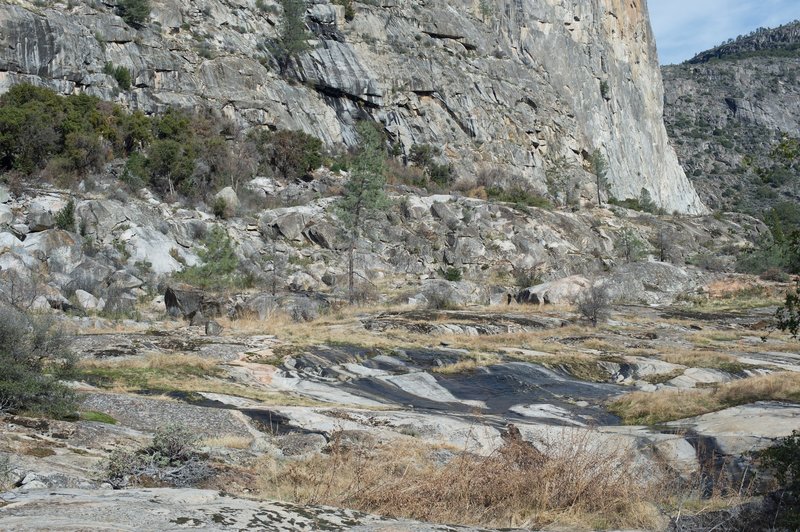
x=364 y=192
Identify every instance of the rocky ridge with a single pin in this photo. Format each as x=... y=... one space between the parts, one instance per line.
x=728 y=108
x=437 y=73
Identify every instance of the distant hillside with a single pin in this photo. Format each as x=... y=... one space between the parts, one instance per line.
x=726 y=112
x=783 y=41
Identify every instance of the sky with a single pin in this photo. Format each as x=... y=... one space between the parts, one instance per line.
x=684 y=28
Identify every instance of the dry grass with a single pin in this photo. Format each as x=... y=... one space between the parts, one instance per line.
x=647 y=408
x=229 y=441
x=473 y=362
x=577 y=483
x=184 y=363
x=175 y=373
x=705 y=359
x=711 y=337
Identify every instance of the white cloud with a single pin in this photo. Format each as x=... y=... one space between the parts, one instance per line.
x=686 y=27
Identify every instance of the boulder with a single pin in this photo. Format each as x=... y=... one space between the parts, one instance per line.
x=120 y=303
x=258 y=307
x=326 y=236
x=40 y=218
x=196 y=319
x=123 y=280
x=6 y=215
x=186 y=301
x=228 y=196
x=89 y=275
x=291 y=225
x=649 y=283
x=55 y=246
x=5 y=197
x=560 y=292
x=87 y=301
x=213 y=328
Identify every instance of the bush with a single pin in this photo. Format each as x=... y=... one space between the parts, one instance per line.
x=290 y=154
x=134 y=12
x=630 y=247
x=121 y=74
x=171 y=459
x=33 y=355
x=65 y=218
x=784 y=459
x=594 y=304
x=452 y=274
x=788 y=316
x=220 y=265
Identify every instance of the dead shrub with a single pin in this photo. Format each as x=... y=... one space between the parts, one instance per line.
x=576 y=480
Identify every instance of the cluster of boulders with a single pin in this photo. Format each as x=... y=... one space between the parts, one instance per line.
x=123 y=251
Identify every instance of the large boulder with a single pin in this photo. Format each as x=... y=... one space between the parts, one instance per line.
x=301 y=306
x=40 y=218
x=227 y=196
x=58 y=248
x=186 y=302
x=6 y=215
x=559 y=292
x=649 y=283
x=88 y=302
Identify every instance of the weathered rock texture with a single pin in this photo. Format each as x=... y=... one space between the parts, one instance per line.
x=514 y=87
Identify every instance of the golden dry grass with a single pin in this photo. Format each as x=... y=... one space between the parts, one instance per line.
x=229 y=441
x=176 y=373
x=476 y=360
x=704 y=359
x=647 y=408
x=578 y=484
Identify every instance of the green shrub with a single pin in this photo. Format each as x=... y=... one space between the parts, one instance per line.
x=290 y=154
x=134 y=12
x=519 y=196
x=33 y=355
x=121 y=74
x=452 y=274
x=65 y=218
x=630 y=247
x=220 y=266
x=784 y=459
x=788 y=316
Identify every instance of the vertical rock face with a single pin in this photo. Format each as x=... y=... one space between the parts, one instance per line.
x=520 y=86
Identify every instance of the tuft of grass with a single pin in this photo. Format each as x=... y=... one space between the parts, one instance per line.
x=228 y=441
x=661 y=378
x=472 y=362
x=574 y=483
x=706 y=359
x=98 y=417
x=650 y=408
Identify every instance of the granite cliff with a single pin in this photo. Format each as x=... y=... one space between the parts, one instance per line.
x=517 y=86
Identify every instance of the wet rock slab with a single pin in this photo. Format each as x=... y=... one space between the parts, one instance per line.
x=180 y=509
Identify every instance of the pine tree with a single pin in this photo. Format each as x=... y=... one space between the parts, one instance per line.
x=364 y=192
